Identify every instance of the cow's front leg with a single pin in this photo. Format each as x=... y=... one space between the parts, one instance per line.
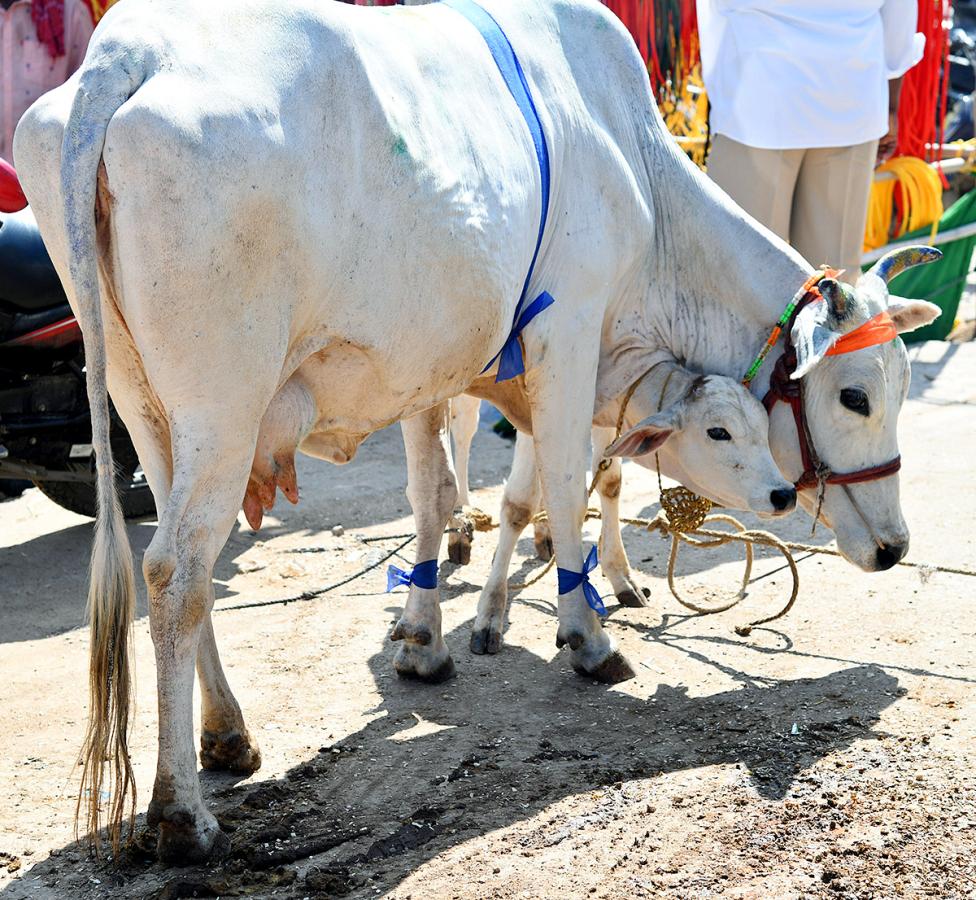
x=561 y=392
x=464 y=424
x=432 y=492
x=519 y=503
x=613 y=555
x=225 y=742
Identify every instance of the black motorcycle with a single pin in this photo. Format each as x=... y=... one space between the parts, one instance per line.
x=45 y=428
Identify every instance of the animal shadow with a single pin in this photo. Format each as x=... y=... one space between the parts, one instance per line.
x=509 y=737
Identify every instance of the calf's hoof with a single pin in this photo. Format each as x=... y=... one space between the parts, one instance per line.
x=188 y=838
x=229 y=751
x=459 y=549
x=418 y=662
x=634 y=599
x=543 y=545
x=486 y=640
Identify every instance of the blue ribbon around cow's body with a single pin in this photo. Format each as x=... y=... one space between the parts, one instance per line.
x=510 y=362
x=424 y=575
x=569 y=581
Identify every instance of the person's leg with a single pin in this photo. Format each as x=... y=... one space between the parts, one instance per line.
x=760 y=181
x=830 y=206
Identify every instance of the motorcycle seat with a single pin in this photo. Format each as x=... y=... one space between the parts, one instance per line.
x=28 y=280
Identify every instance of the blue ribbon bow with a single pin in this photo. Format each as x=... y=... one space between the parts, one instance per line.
x=511 y=363
x=569 y=581
x=510 y=68
x=424 y=575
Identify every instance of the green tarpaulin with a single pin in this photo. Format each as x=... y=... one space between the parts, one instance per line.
x=943 y=282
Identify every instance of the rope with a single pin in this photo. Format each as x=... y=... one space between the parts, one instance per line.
x=658 y=523
x=715 y=538
x=916 y=191
x=708 y=538
x=311 y=595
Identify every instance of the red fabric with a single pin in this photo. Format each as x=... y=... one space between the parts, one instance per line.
x=877 y=330
x=923 y=91
x=48 y=16
x=12 y=198
x=666 y=34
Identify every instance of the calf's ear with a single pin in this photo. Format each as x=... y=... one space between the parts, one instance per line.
x=646 y=436
x=911 y=314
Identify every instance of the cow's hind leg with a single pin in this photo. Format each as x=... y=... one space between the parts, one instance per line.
x=519 y=502
x=432 y=492
x=613 y=556
x=464 y=424
x=210 y=470
x=225 y=742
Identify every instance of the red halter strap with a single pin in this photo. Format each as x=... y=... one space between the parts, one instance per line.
x=783 y=388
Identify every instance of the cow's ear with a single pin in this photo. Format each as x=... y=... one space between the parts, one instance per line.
x=911 y=314
x=812 y=337
x=648 y=435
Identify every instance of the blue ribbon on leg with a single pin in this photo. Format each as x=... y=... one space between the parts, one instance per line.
x=424 y=575
x=569 y=581
x=510 y=359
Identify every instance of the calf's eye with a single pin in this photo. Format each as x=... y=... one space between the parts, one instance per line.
x=719 y=434
x=856 y=401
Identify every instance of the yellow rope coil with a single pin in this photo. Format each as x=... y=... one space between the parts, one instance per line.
x=921 y=201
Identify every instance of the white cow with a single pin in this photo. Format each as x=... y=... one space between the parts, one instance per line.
x=291 y=223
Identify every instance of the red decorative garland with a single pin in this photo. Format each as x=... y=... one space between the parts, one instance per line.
x=666 y=34
x=922 y=110
x=48 y=18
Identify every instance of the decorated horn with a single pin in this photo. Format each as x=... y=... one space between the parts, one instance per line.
x=836 y=294
x=895 y=262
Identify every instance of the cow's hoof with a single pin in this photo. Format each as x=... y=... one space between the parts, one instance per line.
x=486 y=640
x=634 y=599
x=229 y=751
x=459 y=549
x=188 y=838
x=543 y=544
x=419 y=663
x=612 y=669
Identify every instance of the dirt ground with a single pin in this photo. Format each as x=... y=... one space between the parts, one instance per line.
x=829 y=755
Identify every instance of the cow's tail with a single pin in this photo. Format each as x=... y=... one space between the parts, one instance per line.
x=107 y=778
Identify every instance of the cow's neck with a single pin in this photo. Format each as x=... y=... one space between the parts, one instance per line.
x=721 y=279
x=664 y=384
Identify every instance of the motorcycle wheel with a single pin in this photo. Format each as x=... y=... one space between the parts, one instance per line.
x=134 y=494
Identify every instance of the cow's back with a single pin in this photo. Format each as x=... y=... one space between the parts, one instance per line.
x=338 y=167
x=331 y=170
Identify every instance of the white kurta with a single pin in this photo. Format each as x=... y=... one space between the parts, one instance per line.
x=791 y=74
